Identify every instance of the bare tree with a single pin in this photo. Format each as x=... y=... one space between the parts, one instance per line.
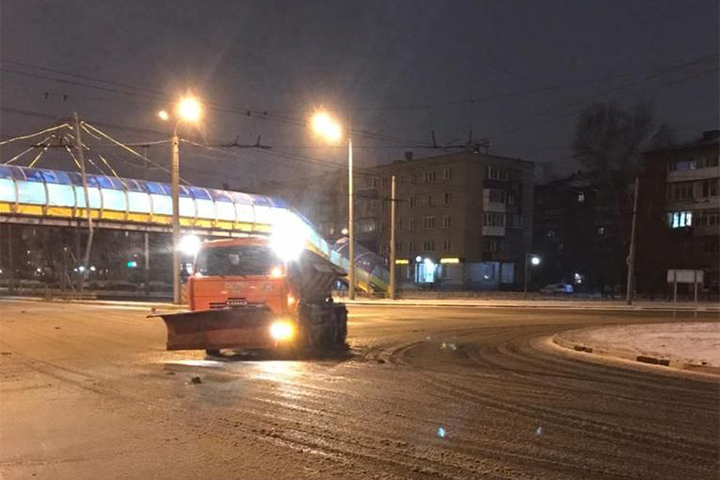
x=610 y=141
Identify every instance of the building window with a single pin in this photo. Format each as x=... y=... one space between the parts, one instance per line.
x=399 y=225
x=497 y=196
x=446 y=246
x=511 y=199
x=682 y=165
x=710 y=187
x=385 y=181
x=429 y=246
x=429 y=177
x=496 y=173
x=428 y=223
x=493 y=219
x=411 y=247
x=447 y=222
x=513 y=220
x=447 y=174
x=708 y=217
x=413 y=178
x=581 y=197
x=398 y=247
x=491 y=245
x=601 y=230
x=427 y=201
x=383 y=226
x=448 y=198
x=680 y=191
x=411 y=225
x=413 y=202
x=680 y=219
x=708 y=162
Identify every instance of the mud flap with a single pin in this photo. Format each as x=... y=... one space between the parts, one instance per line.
x=247 y=327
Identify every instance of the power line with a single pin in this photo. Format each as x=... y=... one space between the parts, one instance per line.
x=589 y=99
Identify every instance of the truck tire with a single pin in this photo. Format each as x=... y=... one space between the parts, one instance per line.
x=341 y=325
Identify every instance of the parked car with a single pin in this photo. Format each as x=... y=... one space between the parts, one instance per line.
x=557 y=289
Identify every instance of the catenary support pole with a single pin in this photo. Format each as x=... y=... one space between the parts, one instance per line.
x=351 y=223
x=392 y=267
x=88 y=245
x=631 y=254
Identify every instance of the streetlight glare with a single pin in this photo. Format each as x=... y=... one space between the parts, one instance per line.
x=189 y=244
x=325 y=125
x=189 y=109
x=535 y=260
x=164 y=115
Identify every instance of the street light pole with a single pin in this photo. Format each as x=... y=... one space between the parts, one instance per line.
x=525 y=279
x=177 y=296
x=351 y=222
x=631 y=254
x=393 y=206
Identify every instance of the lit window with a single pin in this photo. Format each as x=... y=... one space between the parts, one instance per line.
x=680 y=219
x=581 y=197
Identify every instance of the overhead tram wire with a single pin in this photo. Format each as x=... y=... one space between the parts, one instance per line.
x=258 y=114
x=19 y=155
x=35 y=134
x=164 y=96
x=622 y=97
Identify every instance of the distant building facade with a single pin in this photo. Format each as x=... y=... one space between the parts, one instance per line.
x=464 y=220
x=679 y=214
x=575 y=235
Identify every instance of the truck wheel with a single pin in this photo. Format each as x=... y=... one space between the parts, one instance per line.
x=212 y=352
x=341 y=328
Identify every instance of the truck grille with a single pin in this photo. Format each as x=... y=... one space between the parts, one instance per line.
x=231 y=302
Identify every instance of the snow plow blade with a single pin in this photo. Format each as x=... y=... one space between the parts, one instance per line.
x=246 y=327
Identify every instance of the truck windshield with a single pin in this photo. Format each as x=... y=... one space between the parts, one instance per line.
x=236 y=260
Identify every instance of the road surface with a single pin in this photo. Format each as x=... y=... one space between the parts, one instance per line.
x=89 y=392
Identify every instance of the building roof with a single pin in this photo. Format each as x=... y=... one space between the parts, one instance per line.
x=709 y=138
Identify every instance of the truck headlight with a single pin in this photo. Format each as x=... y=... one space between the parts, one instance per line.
x=282 y=330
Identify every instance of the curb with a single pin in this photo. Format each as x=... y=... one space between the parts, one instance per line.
x=535 y=305
x=109 y=303
x=674 y=365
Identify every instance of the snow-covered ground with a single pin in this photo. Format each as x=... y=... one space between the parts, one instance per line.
x=696 y=343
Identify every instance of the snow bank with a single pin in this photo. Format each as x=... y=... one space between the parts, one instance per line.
x=694 y=343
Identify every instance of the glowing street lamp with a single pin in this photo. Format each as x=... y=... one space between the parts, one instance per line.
x=324 y=125
x=188 y=109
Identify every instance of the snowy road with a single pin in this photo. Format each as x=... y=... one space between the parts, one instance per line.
x=89 y=392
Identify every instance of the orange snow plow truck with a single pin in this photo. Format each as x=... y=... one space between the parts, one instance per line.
x=244 y=296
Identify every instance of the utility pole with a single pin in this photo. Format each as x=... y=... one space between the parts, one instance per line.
x=631 y=255
x=177 y=295
x=81 y=160
x=11 y=267
x=525 y=278
x=393 y=206
x=351 y=222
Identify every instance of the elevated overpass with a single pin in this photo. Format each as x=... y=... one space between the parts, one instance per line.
x=43 y=197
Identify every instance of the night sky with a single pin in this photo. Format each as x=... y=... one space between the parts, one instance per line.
x=514 y=72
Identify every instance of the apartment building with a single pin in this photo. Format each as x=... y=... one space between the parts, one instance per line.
x=679 y=214
x=464 y=220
